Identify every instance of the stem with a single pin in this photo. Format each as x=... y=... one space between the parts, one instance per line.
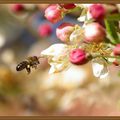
x=117 y=57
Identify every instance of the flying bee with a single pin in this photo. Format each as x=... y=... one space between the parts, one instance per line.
x=30 y=62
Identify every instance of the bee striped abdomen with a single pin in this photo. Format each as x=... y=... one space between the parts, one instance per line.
x=21 y=65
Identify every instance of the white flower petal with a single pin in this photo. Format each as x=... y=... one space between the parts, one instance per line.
x=111 y=59
x=81 y=18
x=99 y=68
x=55 y=67
x=56 y=55
x=52 y=69
x=77 y=35
x=104 y=72
x=55 y=50
x=89 y=16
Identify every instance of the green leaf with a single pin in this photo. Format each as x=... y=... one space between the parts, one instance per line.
x=111 y=32
x=114 y=17
x=84 y=12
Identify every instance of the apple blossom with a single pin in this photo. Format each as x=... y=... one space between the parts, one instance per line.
x=64 y=30
x=44 y=30
x=17 y=7
x=55 y=53
x=78 y=56
x=77 y=35
x=53 y=13
x=96 y=11
x=94 y=32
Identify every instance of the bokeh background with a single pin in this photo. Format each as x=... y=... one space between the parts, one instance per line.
x=72 y=92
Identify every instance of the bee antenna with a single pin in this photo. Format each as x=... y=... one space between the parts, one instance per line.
x=40 y=57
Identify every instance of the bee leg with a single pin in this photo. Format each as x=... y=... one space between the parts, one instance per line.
x=28 y=69
x=34 y=66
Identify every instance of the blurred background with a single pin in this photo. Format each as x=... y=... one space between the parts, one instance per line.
x=72 y=92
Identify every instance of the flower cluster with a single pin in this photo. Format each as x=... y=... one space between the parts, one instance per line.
x=97 y=40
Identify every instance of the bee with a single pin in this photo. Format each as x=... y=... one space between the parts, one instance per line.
x=30 y=62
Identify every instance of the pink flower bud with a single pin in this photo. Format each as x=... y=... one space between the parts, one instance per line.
x=116 y=50
x=97 y=11
x=68 y=6
x=64 y=30
x=17 y=7
x=44 y=30
x=94 y=32
x=78 y=56
x=53 y=13
x=116 y=63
